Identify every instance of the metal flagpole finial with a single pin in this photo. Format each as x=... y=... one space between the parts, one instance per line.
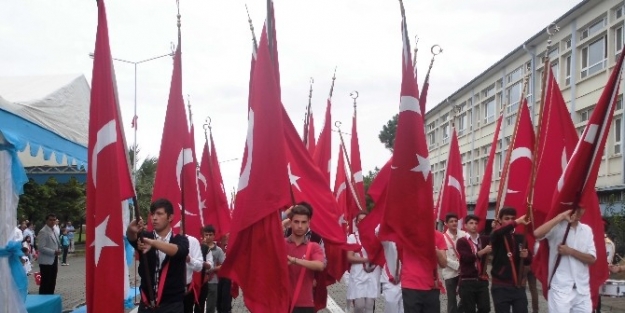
x=551 y=30
x=338 y=124
x=207 y=123
x=310 y=90
x=354 y=95
x=333 y=79
x=178 y=16
x=249 y=20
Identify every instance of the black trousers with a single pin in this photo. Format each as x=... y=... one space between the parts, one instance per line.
x=188 y=302
x=508 y=297
x=474 y=295
x=48 y=277
x=303 y=310
x=452 y=303
x=199 y=307
x=175 y=307
x=224 y=297
x=421 y=301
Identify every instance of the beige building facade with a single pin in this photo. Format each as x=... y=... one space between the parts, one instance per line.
x=583 y=54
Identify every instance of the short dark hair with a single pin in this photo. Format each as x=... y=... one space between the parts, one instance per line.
x=162 y=203
x=308 y=206
x=25 y=250
x=50 y=215
x=506 y=211
x=208 y=229
x=471 y=217
x=300 y=210
x=28 y=224
x=450 y=215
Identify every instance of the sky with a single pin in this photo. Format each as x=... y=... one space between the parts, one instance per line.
x=361 y=38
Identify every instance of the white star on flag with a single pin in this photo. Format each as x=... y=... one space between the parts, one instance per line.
x=101 y=240
x=423 y=167
x=292 y=178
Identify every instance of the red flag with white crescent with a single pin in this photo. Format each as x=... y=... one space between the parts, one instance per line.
x=108 y=181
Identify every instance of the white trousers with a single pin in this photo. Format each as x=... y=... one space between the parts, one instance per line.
x=569 y=302
x=392 y=298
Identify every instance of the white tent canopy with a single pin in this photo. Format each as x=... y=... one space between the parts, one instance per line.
x=57 y=105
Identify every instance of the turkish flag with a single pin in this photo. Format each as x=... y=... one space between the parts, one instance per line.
x=176 y=174
x=408 y=216
x=519 y=169
x=108 y=182
x=340 y=189
x=452 y=194
x=367 y=227
x=576 y=185
x=357 y=202
x=257 y=253
x=323 y=150
x=483 y=198
x=214 y=194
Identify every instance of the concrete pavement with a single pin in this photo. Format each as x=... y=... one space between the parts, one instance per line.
x=71 y=286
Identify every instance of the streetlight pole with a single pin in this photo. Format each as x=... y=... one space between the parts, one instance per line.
x=134 y=117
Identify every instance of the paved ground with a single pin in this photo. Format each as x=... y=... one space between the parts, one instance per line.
x=71 y=286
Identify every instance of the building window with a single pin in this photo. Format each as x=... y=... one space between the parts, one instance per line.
x=489 y=91
x=618 y=40
x=514 y=96
x=489 y=111
x=432 y=138
x=515 y=75
x=567 y=81
x=555 y=69
x=510 y=120
x=617 y=135
x=462 y=124
x=444 y=117
x=431 y=126
x=568 y=43
x=594 y=57
x=619 y=102
x=445 y=133
x=470 y=119
x=585 y=114
x=553 y=54
x=593 y=28
x=618 y=12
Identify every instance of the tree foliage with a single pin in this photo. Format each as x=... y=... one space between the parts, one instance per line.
x=66 y=200
x=367 y=182
x=387 y=134
x=146 y=174
x=617 y=224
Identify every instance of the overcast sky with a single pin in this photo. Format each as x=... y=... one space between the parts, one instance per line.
x=361 y=37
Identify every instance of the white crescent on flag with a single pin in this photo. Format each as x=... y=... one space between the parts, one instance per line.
x=107 y=135
x=453 y=182
x=184 y=157
x=244 y=179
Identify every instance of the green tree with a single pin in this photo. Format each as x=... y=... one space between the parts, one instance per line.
x=617 y=224
x=367 y=183
x=66 y=200
x=145 y=176
x=387 y=134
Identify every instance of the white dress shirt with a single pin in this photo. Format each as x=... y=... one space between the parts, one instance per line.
x=18 y=235
x=571 y=271
x=453 y=263
x=161 y=254
x=195 y=258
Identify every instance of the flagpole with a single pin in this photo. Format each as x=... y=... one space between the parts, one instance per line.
x=543 y=101
x=307 y=114
x=182 y=187
x=414 y=57
x=503 y=181
x=352 y=189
